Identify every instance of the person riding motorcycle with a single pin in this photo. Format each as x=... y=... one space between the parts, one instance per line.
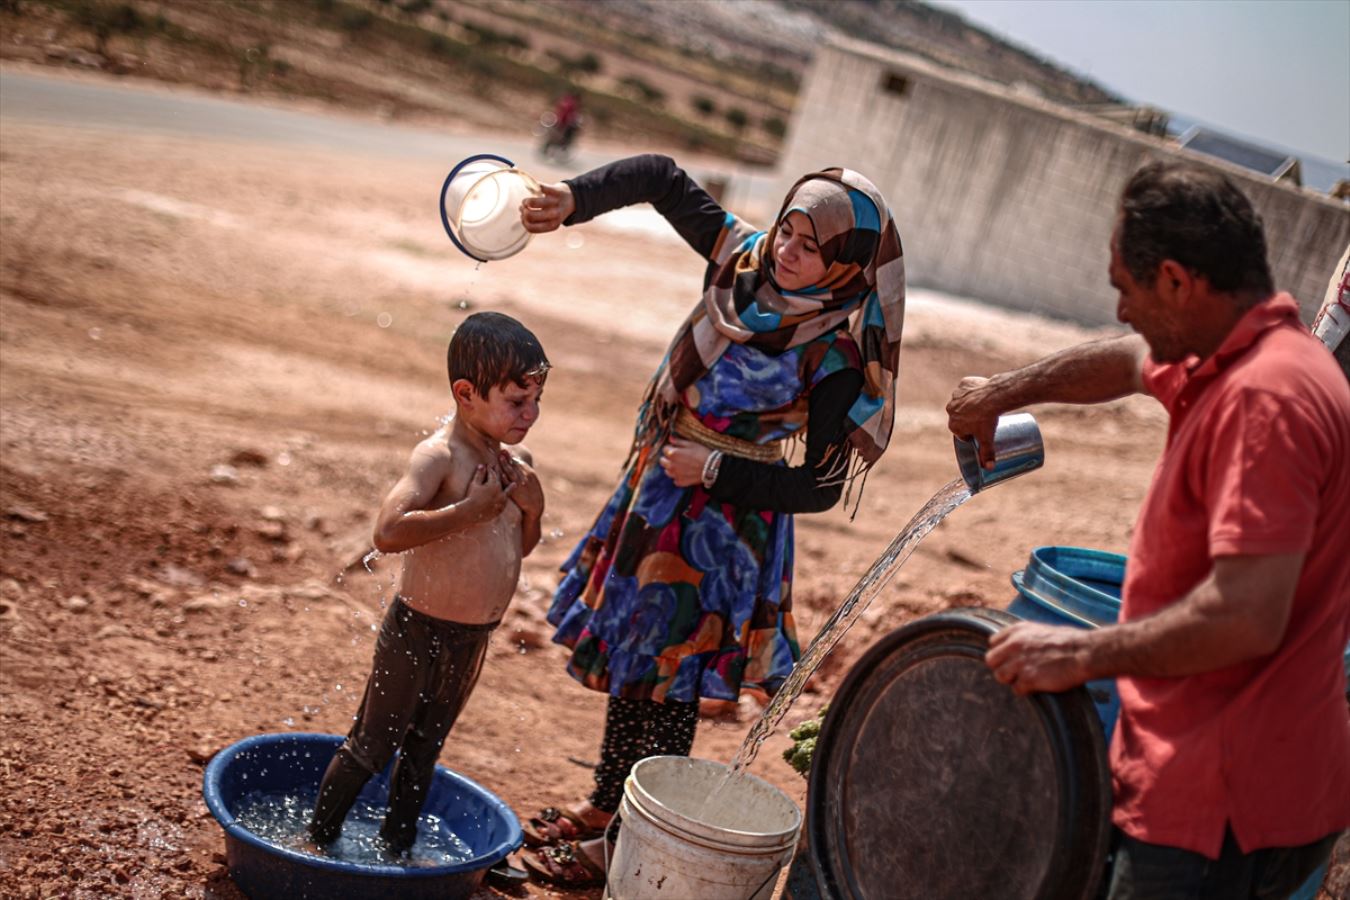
x=565 y=122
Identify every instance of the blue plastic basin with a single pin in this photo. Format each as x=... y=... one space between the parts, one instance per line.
x=1079 y=587
x=287 y=762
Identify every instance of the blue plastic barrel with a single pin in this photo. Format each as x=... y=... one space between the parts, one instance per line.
x=1079 y=587
x=262 y=869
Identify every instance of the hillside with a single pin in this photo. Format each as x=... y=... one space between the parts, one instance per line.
x=779 y=36
x=715 y=77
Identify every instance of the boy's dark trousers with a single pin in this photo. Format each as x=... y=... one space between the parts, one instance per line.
x=424 y=670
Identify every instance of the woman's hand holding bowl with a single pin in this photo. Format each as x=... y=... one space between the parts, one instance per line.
x=547 y=210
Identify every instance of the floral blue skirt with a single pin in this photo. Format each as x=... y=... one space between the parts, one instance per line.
x=674 y=595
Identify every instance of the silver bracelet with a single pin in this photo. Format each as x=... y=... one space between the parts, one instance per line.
x=710 y=467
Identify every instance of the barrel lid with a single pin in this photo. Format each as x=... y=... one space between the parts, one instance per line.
x=932 y=780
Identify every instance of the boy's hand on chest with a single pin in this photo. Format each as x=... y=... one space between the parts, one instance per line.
x=486 y=495
x=523 y=484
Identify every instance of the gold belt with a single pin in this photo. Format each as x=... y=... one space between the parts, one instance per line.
x=688 y=426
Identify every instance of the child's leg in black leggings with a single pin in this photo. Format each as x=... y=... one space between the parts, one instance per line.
x=459 y=662
x=401 y=664
x=634 y=730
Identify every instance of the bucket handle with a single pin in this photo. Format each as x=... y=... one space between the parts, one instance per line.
x=771 y=876
x=445 y=220
x=613 y=820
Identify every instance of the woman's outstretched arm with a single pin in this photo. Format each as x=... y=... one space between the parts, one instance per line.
x=650 y=178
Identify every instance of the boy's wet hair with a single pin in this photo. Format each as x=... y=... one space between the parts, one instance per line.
x=490 y=349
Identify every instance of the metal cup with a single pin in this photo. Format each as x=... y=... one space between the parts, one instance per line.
x=1017 y=448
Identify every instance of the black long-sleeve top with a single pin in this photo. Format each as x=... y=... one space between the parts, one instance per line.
x=698 y=218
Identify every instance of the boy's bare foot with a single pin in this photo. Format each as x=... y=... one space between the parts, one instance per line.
x=313 y=847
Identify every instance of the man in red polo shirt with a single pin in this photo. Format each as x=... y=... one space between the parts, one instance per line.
x=1231 y=760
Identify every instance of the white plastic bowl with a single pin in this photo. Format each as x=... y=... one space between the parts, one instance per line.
x=480 y=207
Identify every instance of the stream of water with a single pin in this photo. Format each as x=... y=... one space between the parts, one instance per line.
x=925 y=520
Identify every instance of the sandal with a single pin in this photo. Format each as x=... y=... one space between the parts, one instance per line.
x=553 y=825
x=564 y=865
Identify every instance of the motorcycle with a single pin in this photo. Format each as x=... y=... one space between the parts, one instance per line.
x=557 y=138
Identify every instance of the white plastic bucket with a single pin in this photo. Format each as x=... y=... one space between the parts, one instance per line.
x=689 y=831
x=480 y=207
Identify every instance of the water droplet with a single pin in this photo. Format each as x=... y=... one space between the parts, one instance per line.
x=243 y=602
x=337 y=687
x=463 y=304
x=288 y=721
x=556 y=533
x=95 y=334
x=575 y=240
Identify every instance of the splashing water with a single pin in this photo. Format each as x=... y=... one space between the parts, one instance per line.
x=282 y=817
x=925 y=520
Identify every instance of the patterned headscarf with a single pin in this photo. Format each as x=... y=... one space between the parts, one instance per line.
x=864 y=279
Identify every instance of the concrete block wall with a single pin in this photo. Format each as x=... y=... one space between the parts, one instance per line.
x=1011 y=199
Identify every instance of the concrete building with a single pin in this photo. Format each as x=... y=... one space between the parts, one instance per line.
x=1008 y=198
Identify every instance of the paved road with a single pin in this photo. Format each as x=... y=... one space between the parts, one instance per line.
x=122 y=105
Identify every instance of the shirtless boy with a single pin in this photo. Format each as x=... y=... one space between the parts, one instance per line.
x=464 y=515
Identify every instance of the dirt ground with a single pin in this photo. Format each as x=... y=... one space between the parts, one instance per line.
x=216 y=358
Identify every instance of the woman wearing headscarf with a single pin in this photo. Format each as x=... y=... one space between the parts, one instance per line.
x=681 y=589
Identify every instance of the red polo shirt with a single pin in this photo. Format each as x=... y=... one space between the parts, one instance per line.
x=1257 y=462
